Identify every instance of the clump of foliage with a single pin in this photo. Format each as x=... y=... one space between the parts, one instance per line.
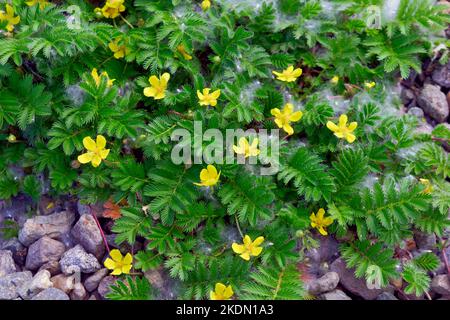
x=71 y=70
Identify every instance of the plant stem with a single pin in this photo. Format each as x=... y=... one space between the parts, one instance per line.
x=100 y=229
x=126 y=21
x=238 y=226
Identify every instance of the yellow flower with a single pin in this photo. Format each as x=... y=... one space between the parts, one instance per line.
x=343 y=131
x=284 y=117
x=208 y=177
x=221 y=292
x=113 y=8
x=118 y=263
x=208 y=99
x=181 y=49
x=246 y=149
x=206 y=4
x=370 y=85
x=334 y=80
x=120 y=50
x=97 y=78
x=428 y=186
x=42 y=3
x=289 y=74
x=248 y=248
x=319 y=222
x=158 y=87
x=9 y=17
x=96 y=151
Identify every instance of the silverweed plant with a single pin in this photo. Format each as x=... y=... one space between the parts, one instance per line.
x=92 y=91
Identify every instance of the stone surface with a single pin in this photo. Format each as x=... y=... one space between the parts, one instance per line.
x=18 y=250
x=51 y=294
x=441 y=75
x=415 y=111
x=441 y=284
x=63 y=282
x=92 y=282
x=40 y=282
x=86 y=233
x=335 y=295
x=43 y=251
x=407 y=96
x=434 y=102
x=78 y=292
x=52 y=267
x=386 y=296
x=355 y=286
x=327 y=282
x=7 y=265
x=53 y=226
x=424 y=241
x=78 y=260
x=10 y=284
x=103 y=287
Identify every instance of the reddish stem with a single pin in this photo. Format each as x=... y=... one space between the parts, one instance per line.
x=100 y=228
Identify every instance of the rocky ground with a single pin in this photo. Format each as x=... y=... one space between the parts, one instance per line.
x=59 y=252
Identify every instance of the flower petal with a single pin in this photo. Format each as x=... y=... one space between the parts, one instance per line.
x=215 y=94
x=228 y=293
x=352 y=126
x=258 y=241
x=343 y=120
x=165 y=79
x=238 y=248
x=256 y=251
x=275 y=112
x=212 y=171
x=101 y=142
x=96 y=160
x=332 y=126
x=89 y=144
x=320 y=214
x=104 y=153
x=128 y=259
x=323 y=231
x=288 y=129
x=247 y=240
x=149 y=92
x=126 y=268
x=245 y=256
x=204 y=175
x=296 y=116
x=220 y=288
x=351 y=138
x=85 y=157
x=154 y=81
x=117 y=272
x=109 y=264
x=116 y=255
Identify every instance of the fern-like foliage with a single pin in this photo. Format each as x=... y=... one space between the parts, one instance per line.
x=132 y=289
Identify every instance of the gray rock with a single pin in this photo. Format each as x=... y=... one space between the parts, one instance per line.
x=78 y=260
x=40 y=282
x=93 y=281
x=104 y=286
x=335 y=295
x=86 y=233
x=155 y=278
x=441 y=284
x=415 y=111
x=51 y=294
x=326 y=283
x=78 y=292
x=434 y=102
x=10 y=284
x=7 y=265
x=53 y=226
x=424 y=241
x=18 y=250
x=52 y=267
x=355 y=286
x=441 y=75
x=63 y=282
x=407 y=96
x=43 y=251
x=386 y=296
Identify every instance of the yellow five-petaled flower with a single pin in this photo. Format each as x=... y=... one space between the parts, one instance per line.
x=289 y=74
x=284 y=117
x=208 y=177
x=320 y=222
x=96 y=151
x=98 y=78
x=341 y=130
x=9 y=18
x=246 y=149
x=248 y=248
x=370 y=85
x=113 y=8
x=42 y=3
x=119 y=49
x=118 y=263
x=158 y=87
x=208 y=99
x=334 y=80
x=206 y=4
x=221 y=292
